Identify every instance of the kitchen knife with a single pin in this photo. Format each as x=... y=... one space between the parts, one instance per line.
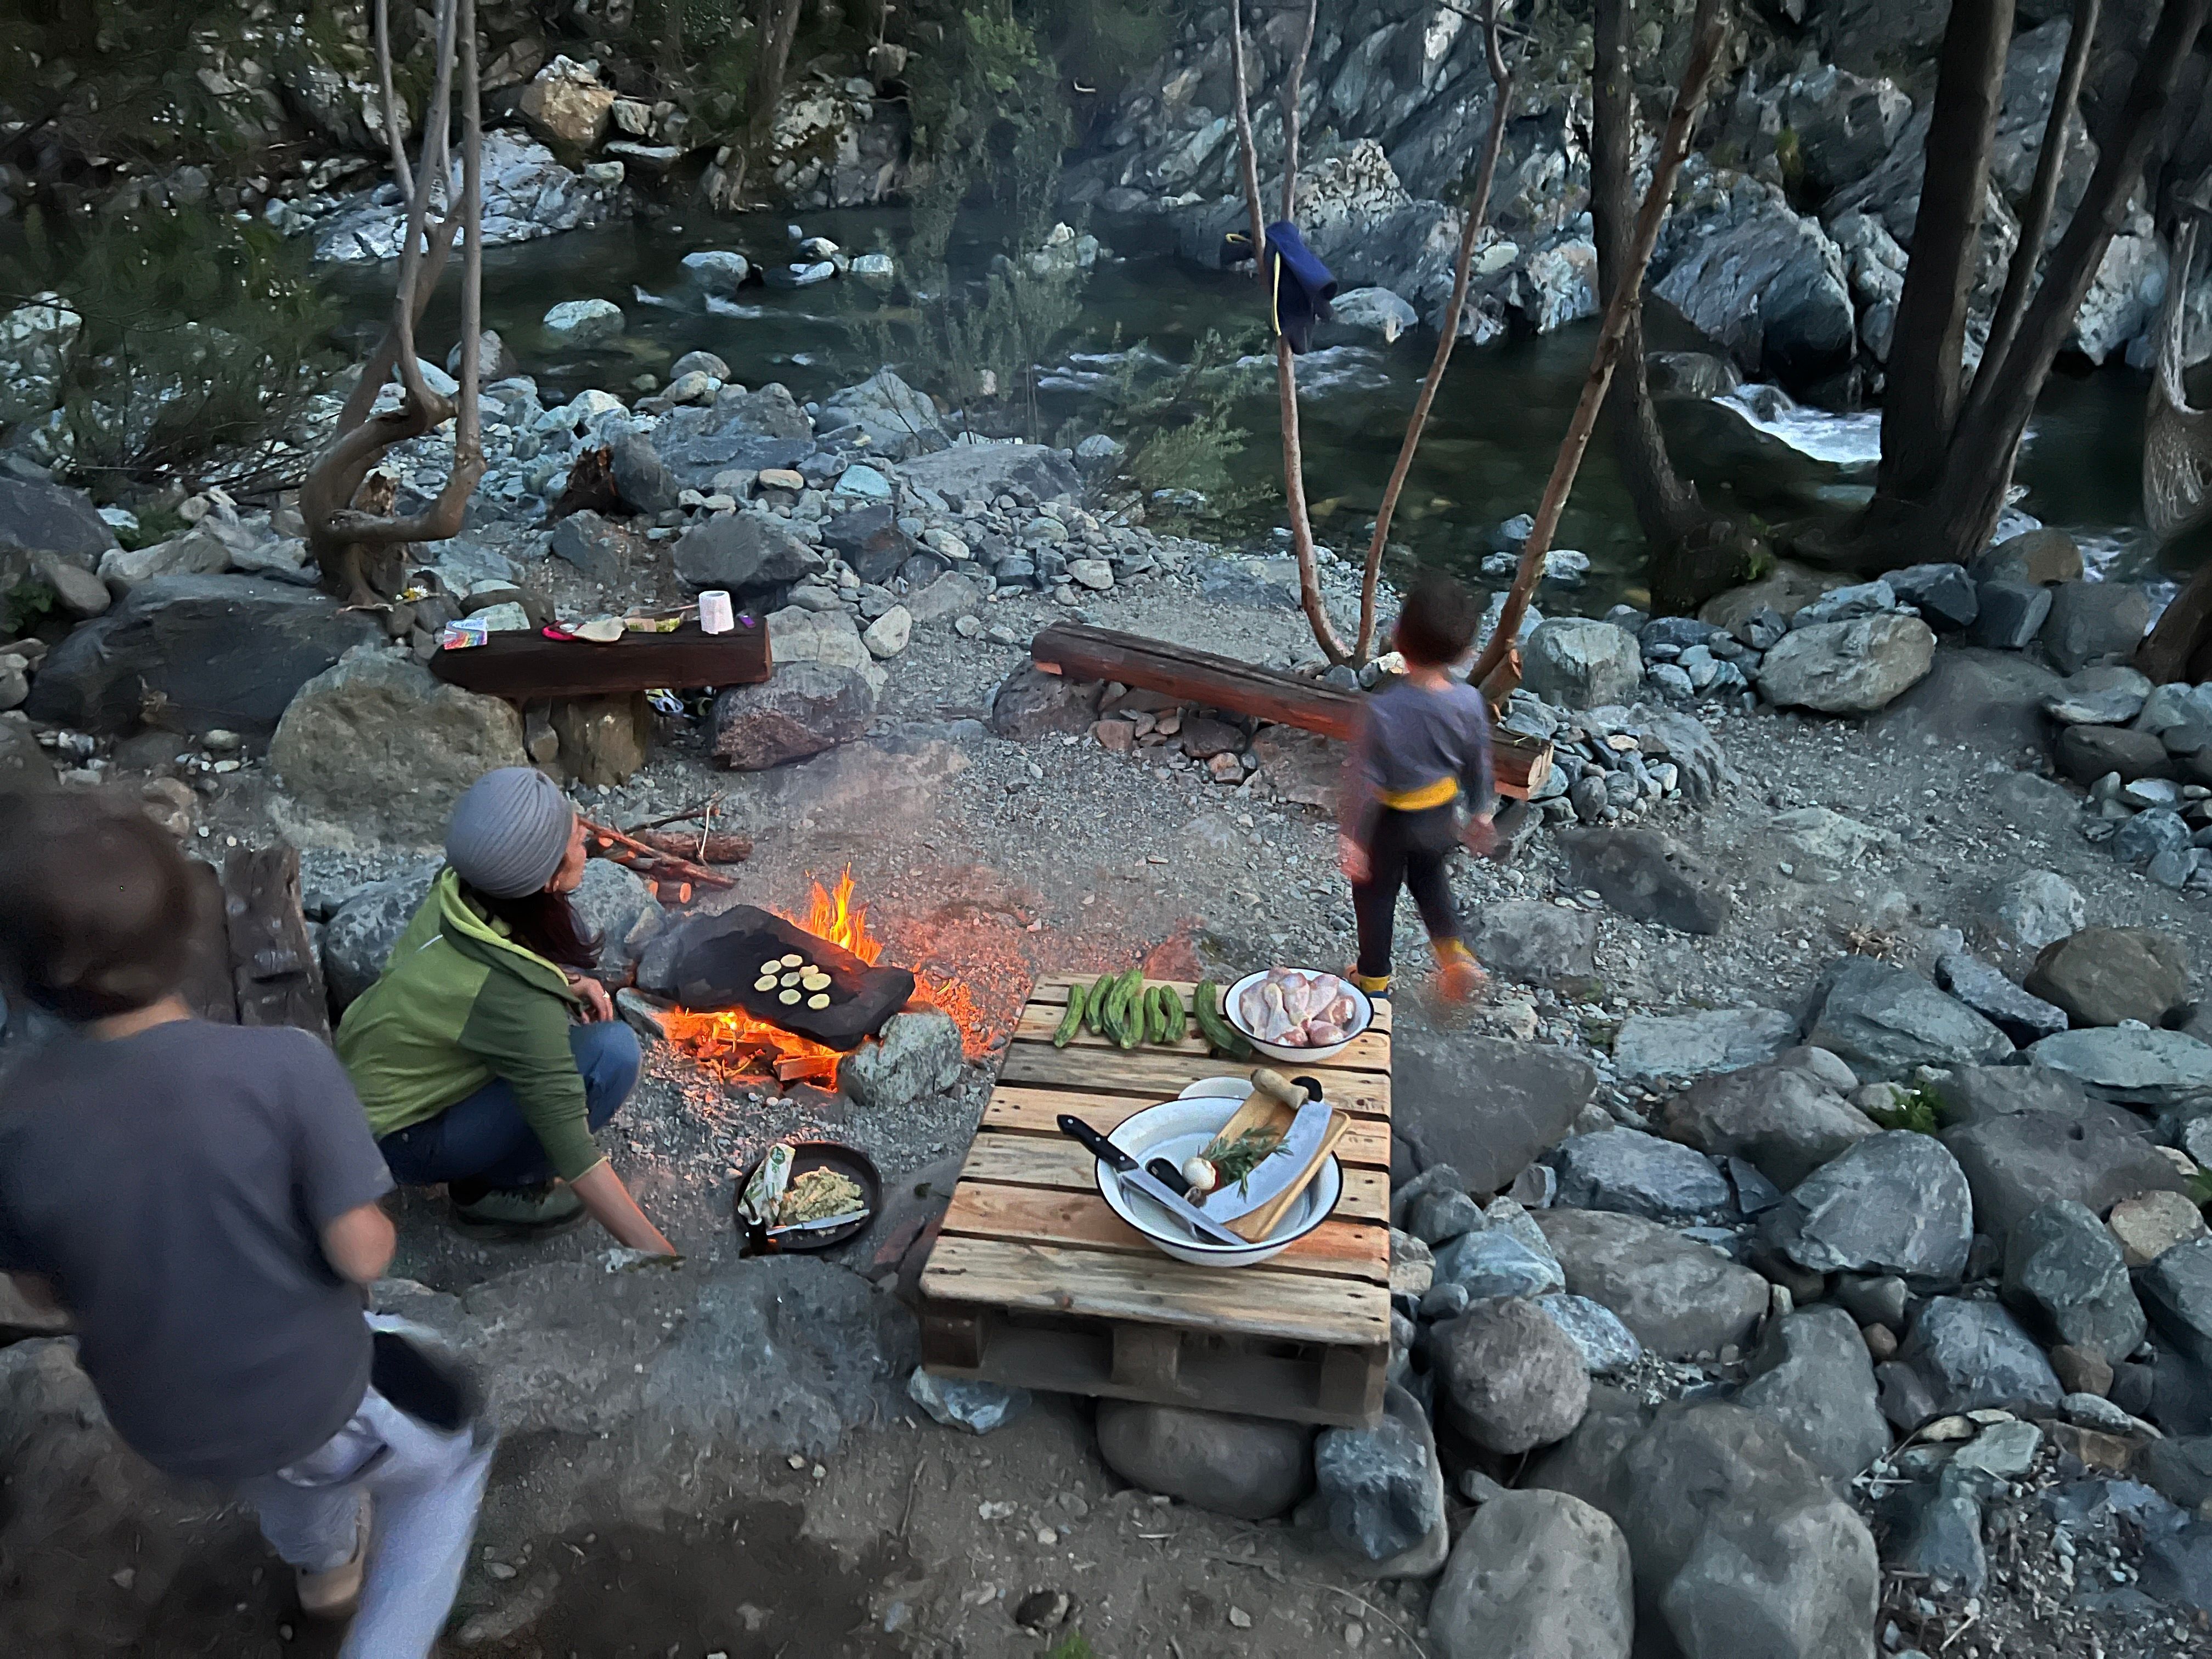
x=1150 y=1185
x=1277 y=1170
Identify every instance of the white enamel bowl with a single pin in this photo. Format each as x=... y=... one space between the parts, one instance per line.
x=1364 y=1018
x=1180 y=1128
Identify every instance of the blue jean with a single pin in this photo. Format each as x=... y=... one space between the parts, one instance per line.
x=485 y=1137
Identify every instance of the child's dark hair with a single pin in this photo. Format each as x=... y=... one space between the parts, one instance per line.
x=97 y=905
x=1437 y=623
x=545 y=923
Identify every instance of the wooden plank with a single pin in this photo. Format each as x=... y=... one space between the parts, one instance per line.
x=1368 y=1052
x=1023 y=1160
x=519 y=665
x=1519 y=764
x=1017 y=1110
x=1295 y=1308
x=1033 y=1215
x=209 y=989
x=1158 y=1075
x=276 y=974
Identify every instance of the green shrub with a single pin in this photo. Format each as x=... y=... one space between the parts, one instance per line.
x=1915 y=1110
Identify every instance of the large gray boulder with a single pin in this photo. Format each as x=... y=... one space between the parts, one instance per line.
x=1650 y=876
x=916 y=1054
x=1381 y=1490
x=1637 y=1174
x=1971 y=1093
x=1758 y=279
x=2150 y=1069
x=1885 y=1021
x=748 y=552
x=1786 y=1117
x=1575 y=662
x=970 y=470
x=1848 y=667
x=1511 y=1378
x=357 y=940
x=804 y=709
x=1894 y=1203
x=1247 y=1468
x=2017 y=1162
x=49 y=517
x=1030 y=704
x=2106 y=975
x=2040 y=908
x=1812 y=1374
x=2094 y=623
x=1539 y=1574
x=1987 y=699
x=196 y=654
x=899 y=421
x=1536 y=942
x=618 y=905
x=1681 y=1298
x=2176 y=1291
x=1486 y=1107
x=2065 y=1276
x=1740 y=1547
x=1973 y=1355
x=1653 y=1046
x=375 y=739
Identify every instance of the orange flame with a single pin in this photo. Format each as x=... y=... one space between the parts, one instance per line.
x=731 y=1038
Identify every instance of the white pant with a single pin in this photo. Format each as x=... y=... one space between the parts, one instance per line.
x=426 y=1486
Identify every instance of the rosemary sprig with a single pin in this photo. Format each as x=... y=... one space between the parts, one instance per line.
x=1235 y=1160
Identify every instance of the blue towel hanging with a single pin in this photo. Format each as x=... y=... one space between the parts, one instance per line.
x=1299 y=286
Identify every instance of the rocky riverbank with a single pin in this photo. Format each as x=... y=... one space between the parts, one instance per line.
x=1819 y=1171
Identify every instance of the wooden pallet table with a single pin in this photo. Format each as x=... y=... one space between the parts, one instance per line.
x=1035 y=1282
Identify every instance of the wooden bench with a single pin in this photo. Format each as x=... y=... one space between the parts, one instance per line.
x=1033 y=1282
x=1518 y=764
x=520 y=666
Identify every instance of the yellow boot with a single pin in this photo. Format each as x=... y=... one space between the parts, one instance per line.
x=1460 y=978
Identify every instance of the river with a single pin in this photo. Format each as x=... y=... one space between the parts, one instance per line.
x=1490 y=447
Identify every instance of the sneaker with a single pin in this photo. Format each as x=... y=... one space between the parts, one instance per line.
x=523 y=1210
x=336 y=1594
x=1459 y=977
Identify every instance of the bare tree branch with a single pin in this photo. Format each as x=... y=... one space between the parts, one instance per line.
x=1709 y=34
x=400 y=174
x=1478 y=212
x=1293 y=91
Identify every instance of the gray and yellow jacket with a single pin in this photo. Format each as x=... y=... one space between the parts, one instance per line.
x=459 y=1004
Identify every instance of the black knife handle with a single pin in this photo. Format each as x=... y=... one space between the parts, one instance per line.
x=1169 y=1177
x=1311 y=1085
x=1095 y=1143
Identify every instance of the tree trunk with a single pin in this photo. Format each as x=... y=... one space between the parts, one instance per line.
x=1929 y=346
x=778 y=28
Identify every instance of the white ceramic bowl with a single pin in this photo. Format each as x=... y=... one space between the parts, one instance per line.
x=1294 y=1056
x=1177 y=1129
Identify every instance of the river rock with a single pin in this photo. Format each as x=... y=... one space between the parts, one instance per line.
x=869 y=539
x=617 y=905
x=1030 y=703
x=2094 y=623
x=357 y=940
x=41 y=517
x=1894 y=1203
x=1495 y=1263
x=2105 y=695
x=588 y=542
x=2039 y=557
x=24 y=768
x=1439 y=1218
x=888 y=636
x=376 y=727
x=1515 y=1380
x=718 y=271
x=1536 y=942
x=566 y=104
x=1573 y=662
x=1373 y=311
x=1604 y=1342
x=197 y=552
x=2087 y=753
x=1885 y=1021
x=642 y=479
x=2108 y=975
x=2017 y=1163
x=1739 y=1546
x=1812 y=1376
x=581 y=323
x=2008 y=614
x=1381 y=1489
x=2065 y=1277
x=1974 y=1355
x=1250 y=1468
x=2147 y=1226
x=1758 y=279
x=1848 y=667
x=900 y=422
x=1649 y=1046
x=1650 y=876
x=830 y=639
x=973 y=1407
x=1971 y=1094
x=804 y=709
x=1485 y=1106
x=748 y=552
x=2177 y=1292
x=970 y=469
x=1990 y=699
x=1679 y=1298
x=2140 y=1069
x=1785 y=1117
x=2023 y=1018
x=1942 y=593
x=1536 y=1573
x=916 y=1055
x=197 y=654
x=2040 y=909
x=1637 y=1174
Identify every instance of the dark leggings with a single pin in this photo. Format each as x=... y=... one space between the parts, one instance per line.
x=1411 y=850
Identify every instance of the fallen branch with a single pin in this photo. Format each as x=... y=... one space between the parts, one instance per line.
x=646 y=859
x=1710 y=34
x=1478 y=212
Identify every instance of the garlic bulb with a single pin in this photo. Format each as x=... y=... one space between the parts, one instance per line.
x=1200 y=1175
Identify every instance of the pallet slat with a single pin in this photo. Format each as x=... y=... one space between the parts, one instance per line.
x=1032 y=1215
x=1289 y=1307
x=1026 y=1160
x=1037 y=1112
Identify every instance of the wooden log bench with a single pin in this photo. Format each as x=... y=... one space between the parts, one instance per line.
x=1518 y=764
x=521 y=664
x=1033 y=1282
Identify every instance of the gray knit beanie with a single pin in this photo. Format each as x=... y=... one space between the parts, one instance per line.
x=510 y=831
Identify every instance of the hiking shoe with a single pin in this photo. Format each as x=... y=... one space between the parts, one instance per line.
x=521 y=1210
x=336 y=1594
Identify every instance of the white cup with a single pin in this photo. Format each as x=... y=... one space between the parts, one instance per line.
x=716 y=616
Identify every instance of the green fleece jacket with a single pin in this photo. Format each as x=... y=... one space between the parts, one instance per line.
x=459 y=1004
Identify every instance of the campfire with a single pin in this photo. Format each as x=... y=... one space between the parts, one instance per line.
x=734 y=1040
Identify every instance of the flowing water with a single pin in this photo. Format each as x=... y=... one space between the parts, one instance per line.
x=1490 y=447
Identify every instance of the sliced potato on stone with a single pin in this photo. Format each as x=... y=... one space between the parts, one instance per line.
x=817 y=1000
x=789 y=998
x=794 y=960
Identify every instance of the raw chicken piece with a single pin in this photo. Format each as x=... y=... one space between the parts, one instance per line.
x=1252 y=1006
x=1276 y=1023
x=1341 y=1012
x=1299 y=998
x=1320 y=1031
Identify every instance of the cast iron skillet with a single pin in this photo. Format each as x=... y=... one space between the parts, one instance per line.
x=847 y=1161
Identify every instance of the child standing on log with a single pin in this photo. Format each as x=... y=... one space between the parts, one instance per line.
x=1423 y=751
x=203 y=1200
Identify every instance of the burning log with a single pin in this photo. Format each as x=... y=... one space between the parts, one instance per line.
x=653 y=862
x=720 y=848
